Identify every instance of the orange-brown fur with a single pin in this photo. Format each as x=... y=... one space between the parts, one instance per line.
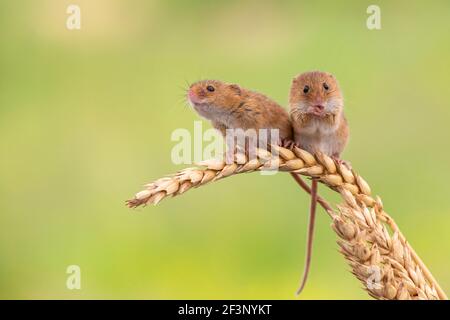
x=230 y=106
x=325 y=130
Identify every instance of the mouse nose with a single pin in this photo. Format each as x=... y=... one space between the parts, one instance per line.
x=192 y=96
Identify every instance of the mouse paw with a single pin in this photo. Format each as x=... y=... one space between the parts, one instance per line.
x=288 y=144
x=343 y=162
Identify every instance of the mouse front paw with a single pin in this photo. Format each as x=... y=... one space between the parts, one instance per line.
x=343 y=162
x=288 y=144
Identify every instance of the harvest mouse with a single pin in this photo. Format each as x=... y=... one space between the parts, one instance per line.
x=319 y=123
x=229 y=106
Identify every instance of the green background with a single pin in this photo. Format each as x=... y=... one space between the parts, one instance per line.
x=86 y=118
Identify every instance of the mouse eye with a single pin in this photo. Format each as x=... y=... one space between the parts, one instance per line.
x=306 y=89
x=325 y=86
x=210 y=88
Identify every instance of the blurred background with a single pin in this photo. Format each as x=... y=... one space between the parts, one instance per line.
x=86 y=117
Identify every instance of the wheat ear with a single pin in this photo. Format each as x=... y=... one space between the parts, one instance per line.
x=380 y=258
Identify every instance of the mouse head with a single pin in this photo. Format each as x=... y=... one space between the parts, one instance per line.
x=316 y=93
x=213 y=98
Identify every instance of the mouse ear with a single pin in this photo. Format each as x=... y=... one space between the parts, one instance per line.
x=235 y=88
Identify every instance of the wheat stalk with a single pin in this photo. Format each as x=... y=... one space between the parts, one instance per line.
x=383 y=261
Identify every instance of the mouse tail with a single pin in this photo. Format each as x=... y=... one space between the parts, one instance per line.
x=310 y=236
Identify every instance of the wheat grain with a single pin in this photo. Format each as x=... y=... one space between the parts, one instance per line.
x=384 y=261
